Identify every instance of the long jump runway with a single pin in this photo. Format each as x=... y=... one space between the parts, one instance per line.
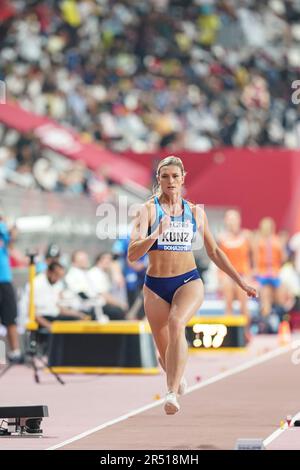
x=246 y=402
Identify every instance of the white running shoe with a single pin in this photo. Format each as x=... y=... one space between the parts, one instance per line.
x=171 y=404
x=182 y=386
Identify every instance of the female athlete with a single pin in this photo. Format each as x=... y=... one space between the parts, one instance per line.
x=173 y=291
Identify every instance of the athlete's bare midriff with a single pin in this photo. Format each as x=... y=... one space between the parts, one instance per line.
x=166 y=264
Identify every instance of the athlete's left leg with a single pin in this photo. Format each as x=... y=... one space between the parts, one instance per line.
x=186 y=302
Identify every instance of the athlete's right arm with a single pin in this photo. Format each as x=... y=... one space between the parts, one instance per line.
x=140 y=241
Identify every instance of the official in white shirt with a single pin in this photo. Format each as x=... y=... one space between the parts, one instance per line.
x=48 y=293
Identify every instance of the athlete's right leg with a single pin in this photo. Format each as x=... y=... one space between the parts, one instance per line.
x=186 y=302
x=157 y=312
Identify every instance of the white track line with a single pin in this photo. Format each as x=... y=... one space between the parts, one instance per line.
x=279 y=431
x=247 y=365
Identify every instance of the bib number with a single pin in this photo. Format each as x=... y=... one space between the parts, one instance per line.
x=178 y=237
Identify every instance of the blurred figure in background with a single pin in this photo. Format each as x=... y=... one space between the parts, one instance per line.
x=17 y=259
x=79 y=282
x=284 y=238
x=235 y=242
x=8 y=304
x=48 y=289
x=290 y=279
x=77 y=278
x=148 y=75
x=294 y=245
x=52 y=255
x=134 y=273
x=268 y=258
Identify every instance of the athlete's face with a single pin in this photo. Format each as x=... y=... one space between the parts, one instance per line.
x=170 y=179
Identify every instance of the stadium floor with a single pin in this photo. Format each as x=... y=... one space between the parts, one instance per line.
x=239 y=395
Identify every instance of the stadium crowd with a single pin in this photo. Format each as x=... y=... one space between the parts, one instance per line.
x=143 y=75
x=26 y=164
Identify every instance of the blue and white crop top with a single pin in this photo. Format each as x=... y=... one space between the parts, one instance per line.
x=181 y=233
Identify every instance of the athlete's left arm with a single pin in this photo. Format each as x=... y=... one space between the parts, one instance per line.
x=217 y=255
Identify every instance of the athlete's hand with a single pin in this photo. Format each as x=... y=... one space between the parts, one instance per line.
x=164 y=224
x=250 y=291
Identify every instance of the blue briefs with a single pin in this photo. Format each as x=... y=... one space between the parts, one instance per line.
x=269 y=281
x=166 y=287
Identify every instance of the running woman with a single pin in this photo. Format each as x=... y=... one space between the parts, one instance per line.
x=173 y=291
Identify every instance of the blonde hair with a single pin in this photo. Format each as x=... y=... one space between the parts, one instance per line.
x=167 y=161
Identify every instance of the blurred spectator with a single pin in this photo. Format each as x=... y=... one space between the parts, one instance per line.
x=45 y=174
x=235 y=243
x=268 y=257
x=27 y=166
x=52 y=255
x=77 y=278
x=16 y=258
x=99 y=186
x=294 y=245
x=79 y=282
x=290 y=280
x=163 y=73
x=48 y=289
x=100 y=276
x=134 y=273
x=74 y=180
x=284 y=237
x=8 y=305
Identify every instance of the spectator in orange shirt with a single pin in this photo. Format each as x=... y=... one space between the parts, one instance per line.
x=235 y=242
x=268 y=259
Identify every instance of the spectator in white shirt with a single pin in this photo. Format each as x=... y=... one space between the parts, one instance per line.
x=100 y=276
x=77 y=278
x=48 y=289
